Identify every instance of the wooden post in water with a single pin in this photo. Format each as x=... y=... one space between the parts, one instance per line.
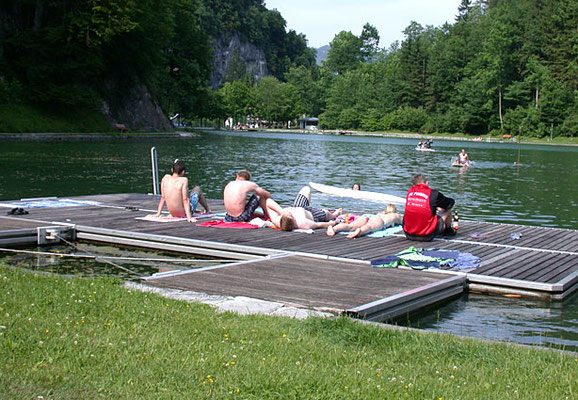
x=519 y=145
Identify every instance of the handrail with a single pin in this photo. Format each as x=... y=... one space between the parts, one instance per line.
x=155 y=171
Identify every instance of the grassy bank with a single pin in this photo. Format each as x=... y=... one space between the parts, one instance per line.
x=23 y=118
x=91 y=338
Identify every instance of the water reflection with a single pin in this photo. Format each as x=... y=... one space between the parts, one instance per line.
x=513 y=320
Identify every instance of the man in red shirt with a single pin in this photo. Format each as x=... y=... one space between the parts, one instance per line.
x=428 y=213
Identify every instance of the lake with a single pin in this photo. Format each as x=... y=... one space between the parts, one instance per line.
x=542 y=191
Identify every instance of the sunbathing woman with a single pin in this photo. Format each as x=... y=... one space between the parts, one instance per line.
x=368 y=223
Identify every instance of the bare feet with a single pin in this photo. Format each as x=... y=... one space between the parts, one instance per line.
x=330 y=231
x=354 y=234
x=336 y=213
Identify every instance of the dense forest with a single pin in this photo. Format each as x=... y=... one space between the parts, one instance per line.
x=500 y=67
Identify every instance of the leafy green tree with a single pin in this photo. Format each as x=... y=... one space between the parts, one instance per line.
x=55 y=48
x=558 y=22
x=345 y=53
x=182 y=79
x=276 y=101
x=237 y=99
x=369 y=42
x=414 y=57
x=306 y=81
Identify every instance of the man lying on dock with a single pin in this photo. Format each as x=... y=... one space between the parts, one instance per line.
x=301 y=215
x=238 y=208
x=428 y=213
x=175 y=194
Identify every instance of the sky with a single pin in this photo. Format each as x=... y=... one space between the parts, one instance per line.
x=321 y=20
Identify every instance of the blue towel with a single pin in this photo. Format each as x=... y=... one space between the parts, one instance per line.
x=386 y=232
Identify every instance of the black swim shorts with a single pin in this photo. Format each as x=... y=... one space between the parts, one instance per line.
x=438 y=231
x=303 y=202
x=247 y=214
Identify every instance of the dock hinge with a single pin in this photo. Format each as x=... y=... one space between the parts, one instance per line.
x=53 y=234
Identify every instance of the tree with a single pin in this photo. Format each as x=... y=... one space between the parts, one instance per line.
x=237 y=99
x=369 y=42
x=181 y=81
x=306 y=81
x=414 y=55
x=276 y=101
x=344 y=54
x=55 y=48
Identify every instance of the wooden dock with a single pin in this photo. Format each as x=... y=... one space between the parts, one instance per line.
x=313 y=270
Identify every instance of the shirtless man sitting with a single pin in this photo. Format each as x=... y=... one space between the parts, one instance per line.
x=238 y=208
x=301 y=215
x=175 y=194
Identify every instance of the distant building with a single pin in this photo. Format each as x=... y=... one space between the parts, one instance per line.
x=308 y=123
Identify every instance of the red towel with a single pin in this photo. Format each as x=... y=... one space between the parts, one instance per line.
x=224 y=224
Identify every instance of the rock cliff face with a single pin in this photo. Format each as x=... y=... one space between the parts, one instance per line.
x=137 y=110
x=225 y=48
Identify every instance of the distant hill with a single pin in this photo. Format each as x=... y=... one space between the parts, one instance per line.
x=322 y=54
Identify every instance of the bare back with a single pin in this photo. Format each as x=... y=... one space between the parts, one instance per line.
x=175 y=191
x=235 y=196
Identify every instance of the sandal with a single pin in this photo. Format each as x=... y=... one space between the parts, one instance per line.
x=17 y=211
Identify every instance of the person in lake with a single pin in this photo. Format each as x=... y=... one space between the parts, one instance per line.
x=428 y=213
x=368 y=223
x=463 y=158
x=356 y=186
x=301 y=215
x=425 y=145
x=175 y=194
x=238 y=208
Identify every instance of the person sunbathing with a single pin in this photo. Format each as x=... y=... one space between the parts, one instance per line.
x=301 y=215
x=368 y=223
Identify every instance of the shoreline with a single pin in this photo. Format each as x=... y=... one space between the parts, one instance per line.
x=405 y=135
x=197 y=130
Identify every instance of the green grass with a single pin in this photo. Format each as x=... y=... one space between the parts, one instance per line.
x=23 y=118
x=73 y=338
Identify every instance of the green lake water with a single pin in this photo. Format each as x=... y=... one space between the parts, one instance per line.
x=542 y=191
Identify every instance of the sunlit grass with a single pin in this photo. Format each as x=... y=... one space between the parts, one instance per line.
x=79 y=338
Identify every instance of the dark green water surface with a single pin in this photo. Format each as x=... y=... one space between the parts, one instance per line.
x=542 y=191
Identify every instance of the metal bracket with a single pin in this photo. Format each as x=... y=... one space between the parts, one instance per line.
x=52 y=234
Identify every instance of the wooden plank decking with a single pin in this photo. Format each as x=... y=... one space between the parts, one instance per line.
x=543 y=260
x=310 y=282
